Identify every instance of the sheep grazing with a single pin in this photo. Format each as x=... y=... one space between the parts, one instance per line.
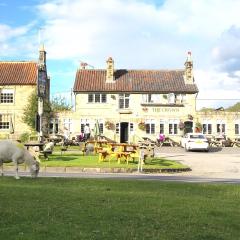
x=10 y=151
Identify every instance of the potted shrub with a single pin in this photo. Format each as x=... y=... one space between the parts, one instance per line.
x=142 y=126
x=198 y=127
x=109 y=125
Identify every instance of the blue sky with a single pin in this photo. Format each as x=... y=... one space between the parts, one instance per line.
x=138 y=34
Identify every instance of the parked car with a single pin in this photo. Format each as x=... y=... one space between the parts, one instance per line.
x=195 y=141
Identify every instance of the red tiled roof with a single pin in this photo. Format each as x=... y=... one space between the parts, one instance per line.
x=18 y=73
x=161 y=81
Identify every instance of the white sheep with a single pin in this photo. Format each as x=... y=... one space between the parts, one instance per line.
x=10 y=151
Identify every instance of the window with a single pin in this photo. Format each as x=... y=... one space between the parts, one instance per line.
x=97 y=98
x=4 y=121
x=100 y=124
x=180 y=98
x=237 y=127
x=124 y=101
x=67 y=123
x=173 y=127
x=117 y=128
x=90 y=98
x=6 y=96
x=131 y=128
x=221 y=127
x=171 y=98
x=207 y=128
x=150 y=127
x=151 y=98
x=101 y=128
x=83 y=123
x=53 y=126
x=161 y=127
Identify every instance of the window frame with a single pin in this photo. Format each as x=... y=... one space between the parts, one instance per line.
x=97 y=98
x=6 y=96
x=124 y=98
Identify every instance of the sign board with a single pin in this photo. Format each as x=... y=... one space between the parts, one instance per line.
x=41 y=83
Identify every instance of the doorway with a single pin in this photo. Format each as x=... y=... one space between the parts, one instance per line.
x=188 y=127
x=124 y=132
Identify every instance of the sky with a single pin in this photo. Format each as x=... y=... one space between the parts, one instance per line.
x=137 y=34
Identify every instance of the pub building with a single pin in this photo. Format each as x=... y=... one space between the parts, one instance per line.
x=131 y=104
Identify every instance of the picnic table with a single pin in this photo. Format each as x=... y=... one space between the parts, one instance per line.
x=168 y=142
x=34 y=144
x=119 y=151
x=236 y=142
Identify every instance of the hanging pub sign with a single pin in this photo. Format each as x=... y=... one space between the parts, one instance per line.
x=42 y=81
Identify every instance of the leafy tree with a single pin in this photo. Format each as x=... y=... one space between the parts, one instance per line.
x=234 y=108
x=30 y=111
x=59 y=104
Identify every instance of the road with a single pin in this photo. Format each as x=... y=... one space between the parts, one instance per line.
x=138 y=176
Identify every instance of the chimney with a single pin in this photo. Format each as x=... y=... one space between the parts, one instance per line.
x=110 y=71
x=188 y=78
x=83 y=65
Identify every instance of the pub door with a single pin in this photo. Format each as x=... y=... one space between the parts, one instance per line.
x=124 y=132
x=188 y=127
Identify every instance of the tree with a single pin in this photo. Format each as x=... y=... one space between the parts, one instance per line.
x=234 y=108
x=59 y=104
x=31 y=110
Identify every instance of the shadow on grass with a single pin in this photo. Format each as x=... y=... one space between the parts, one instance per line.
x=63 y=158
x=157 y=161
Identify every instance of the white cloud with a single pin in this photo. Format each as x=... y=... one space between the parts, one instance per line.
x=217 y=88
x=139 y=34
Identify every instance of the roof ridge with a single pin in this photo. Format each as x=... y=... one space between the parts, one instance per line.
x=17 y=61
x=145 y=70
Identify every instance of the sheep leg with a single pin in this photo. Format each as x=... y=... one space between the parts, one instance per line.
x=16 y=170
x=16 y=175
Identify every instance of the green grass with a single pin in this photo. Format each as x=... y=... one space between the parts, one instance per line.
x=54 y=208
x=78 y=160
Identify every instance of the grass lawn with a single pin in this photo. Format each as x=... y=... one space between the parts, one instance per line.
x=74 y=159
x=58 y=208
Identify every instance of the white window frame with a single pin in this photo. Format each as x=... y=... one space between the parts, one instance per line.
x=237 y=122
x=124 y=97
x=161 y=122
x=152 y=126
x=173 y=124
x=221 y=123
x=5 y=120
x=209 y=127
x=4 y=92
x=83 y=122
x=95 y=99
x=171 y=98
x=67 y=123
